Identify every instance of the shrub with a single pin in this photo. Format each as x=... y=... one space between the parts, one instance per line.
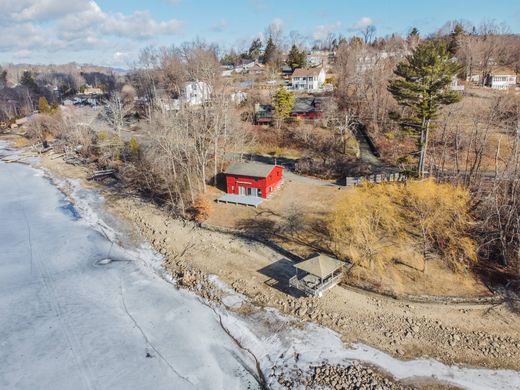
x=201 y=209
x=378 y=223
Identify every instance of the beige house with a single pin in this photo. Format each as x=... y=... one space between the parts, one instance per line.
x=501 y=78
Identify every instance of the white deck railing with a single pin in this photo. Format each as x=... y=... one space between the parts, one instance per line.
x=316 y=290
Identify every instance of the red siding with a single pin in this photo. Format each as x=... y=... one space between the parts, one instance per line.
x=265 y=184
x=307 y=115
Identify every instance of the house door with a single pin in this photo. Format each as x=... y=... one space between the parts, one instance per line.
x=241 y=190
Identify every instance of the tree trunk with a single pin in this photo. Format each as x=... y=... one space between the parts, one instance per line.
x=424 y=146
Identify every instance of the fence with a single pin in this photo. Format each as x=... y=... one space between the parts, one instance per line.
x=376 y=178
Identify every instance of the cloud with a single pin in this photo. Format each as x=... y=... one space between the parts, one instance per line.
x=323 y=30
x=38 y=11
x=139 y=25
x=122 y=59
x=277 y=24
x=219 y=26
x=258 y=5
x=46 y=26
x=362 y=23
x=22 y=54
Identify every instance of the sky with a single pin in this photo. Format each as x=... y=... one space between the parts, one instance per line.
x=112 y=32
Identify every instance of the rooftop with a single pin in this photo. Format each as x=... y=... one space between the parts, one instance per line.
x=320 y=265
x=503 y=70
x=301 y=72
x=307 y=104
x=252 y=169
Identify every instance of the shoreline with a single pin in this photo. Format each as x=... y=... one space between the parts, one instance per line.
x=189 y=266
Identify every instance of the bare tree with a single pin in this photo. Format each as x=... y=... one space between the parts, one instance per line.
x=368 y=33
x=116 y=112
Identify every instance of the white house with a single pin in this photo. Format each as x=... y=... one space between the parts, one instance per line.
x=195 y=93
x=455 y=86
x=501 y=78
x=318 y=58
x=311 y=79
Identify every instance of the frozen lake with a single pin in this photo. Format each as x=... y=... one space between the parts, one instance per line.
x=68 y=321
x=72 y=320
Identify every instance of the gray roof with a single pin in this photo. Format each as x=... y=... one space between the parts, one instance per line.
x=253 y=169
x=320 y=265
x=308 y=104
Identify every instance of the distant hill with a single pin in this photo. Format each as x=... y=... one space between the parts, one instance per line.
x=15 y=71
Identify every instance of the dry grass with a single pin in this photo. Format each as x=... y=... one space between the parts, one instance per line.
x=439 y=281
x=276 y=151
x=294 y=213
x=21 y=142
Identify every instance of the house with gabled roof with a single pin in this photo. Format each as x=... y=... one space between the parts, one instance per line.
x=501 y=78
x=309 y=79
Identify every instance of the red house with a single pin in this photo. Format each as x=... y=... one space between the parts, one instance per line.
x=253 y=179
x=307 y=108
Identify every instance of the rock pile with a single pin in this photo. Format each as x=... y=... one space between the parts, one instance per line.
x=337 y=377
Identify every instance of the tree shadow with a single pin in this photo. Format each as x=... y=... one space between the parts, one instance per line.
x=262 y=228
x=279 y=274
x=290 y=229
x=500 y=280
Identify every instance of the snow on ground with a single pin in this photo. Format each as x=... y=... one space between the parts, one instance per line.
x=313 y=344
x=70 y=322
x=81 y=312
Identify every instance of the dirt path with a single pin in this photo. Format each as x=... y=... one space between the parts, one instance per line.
x=481 y=335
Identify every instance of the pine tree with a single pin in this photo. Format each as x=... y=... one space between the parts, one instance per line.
x=255 y=48
x=454 y=39
x=423 y=85
x=27 y=80
x=3 y=78
x=414 y=32
x=269 y=52
x=356 y=42
x=296 y=58
x=283 y=104
x=43 y=105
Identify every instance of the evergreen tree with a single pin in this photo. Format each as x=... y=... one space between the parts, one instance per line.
x=283 y=104
x=423 y=85
x=3 y=78
x=414 y=33
x=255 y=49
x=454 y=39
x=230 y=58
x=296 y=58
x=27 y=80
x=356 y=42
x=269 y=52
x=43 y=105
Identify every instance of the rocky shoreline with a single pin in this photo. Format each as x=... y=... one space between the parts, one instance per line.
x=400 y=328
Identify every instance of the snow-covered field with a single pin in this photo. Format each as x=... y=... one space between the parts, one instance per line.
x=71 y=319
x=70 y=322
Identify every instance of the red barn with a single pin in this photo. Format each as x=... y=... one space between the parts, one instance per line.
x=253 y=179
